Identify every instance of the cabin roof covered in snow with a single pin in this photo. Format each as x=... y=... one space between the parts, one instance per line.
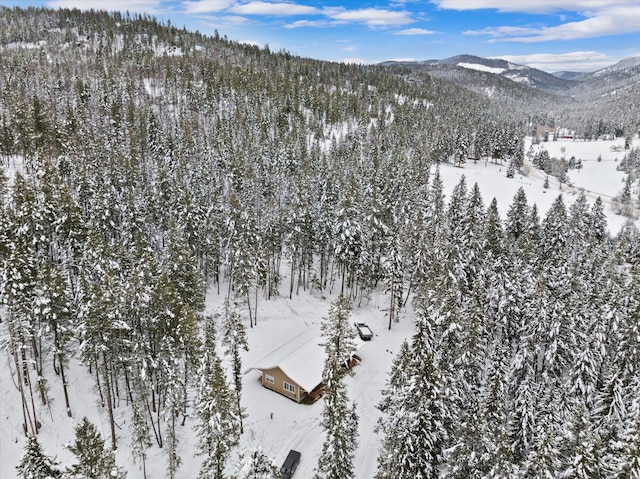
x=301 y=359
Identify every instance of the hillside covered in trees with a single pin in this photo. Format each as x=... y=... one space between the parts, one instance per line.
x=143 y=164
x=590 y=105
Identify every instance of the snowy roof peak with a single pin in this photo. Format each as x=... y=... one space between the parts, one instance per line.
x=301 y=358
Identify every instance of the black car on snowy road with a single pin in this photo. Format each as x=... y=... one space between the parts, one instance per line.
x=290 y=464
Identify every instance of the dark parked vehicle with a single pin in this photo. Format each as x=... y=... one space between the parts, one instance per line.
x=290 y=464
x=364 y=331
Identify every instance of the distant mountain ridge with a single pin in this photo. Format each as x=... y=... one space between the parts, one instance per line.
x=471 y=70
x=470 y=65
x=620 y=76
x=569 y=75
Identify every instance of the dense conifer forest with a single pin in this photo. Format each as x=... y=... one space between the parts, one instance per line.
x=143 y=164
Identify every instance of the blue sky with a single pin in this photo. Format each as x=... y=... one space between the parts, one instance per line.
x=553 y=35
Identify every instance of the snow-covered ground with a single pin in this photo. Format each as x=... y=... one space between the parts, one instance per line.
x=481 y=68
x=596 y=178
x=275 y=423
x=296 y=426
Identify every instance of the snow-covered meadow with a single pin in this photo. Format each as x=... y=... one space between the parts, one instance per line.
x=275 y=423
x=596 y=178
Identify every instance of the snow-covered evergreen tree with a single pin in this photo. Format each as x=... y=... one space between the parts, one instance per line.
x=392 y=267
x=581 y=448
x=235 y=341
x=300 y=238
x=396 y=382
x=627 y=462
x=459 y=234
x=18 y=283
x=493 y=236
x=255 y=464
x=216 y=409
x=416 y=417
x=339 y=420
x=499 y=458
x=543 y=459
x=174 y=352
x=429 y=236
x=35 y=464
x=598 y=221
x=349 y=237
x=557 y=340
x=517 y=217
x=245 y=261
x=180 y=265
x=94 y=460
x=54 y=310
x=467 y=457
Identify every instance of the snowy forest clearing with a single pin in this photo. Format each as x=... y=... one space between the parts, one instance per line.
x=274 y=422
x=277 y=423
x=597 y=178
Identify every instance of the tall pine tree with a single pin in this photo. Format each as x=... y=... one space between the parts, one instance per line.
x=339 y=420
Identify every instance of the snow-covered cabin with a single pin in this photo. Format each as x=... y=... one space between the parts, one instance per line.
x=295 y=368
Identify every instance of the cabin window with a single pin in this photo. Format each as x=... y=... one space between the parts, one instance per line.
x=268 y=378
x=289 y=387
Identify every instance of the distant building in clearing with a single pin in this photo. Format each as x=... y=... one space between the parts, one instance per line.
x=545 y=131
x=295 y=368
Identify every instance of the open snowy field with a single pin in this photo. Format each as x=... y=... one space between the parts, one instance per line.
x=595 y=178
x=275 y=423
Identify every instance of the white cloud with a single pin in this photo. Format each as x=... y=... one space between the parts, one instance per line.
x=206 y=6
x=358 y=61
x=533 y=6
x=575 y=61
x=601 y=18
x=611 y=22
x=275 y=9
x=139 y=6
x=415 y=31
x=503 y=32
x=307 y=23
x=233 y=20
x=372 y=17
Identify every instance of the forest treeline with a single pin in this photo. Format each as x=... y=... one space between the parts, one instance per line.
x=143 y=164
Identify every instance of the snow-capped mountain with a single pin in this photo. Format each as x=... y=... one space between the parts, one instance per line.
x=470 y=70
x=627 y=68
x=478 y=73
